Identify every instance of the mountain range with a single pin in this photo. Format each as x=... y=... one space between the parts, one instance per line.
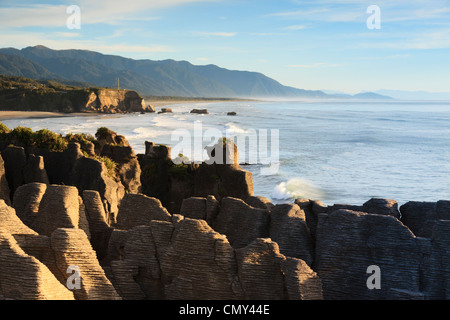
x=148 y=77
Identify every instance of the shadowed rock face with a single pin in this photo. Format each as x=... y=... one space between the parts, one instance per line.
x=27 y=199
x=349 y=242
x=171 y=183
x=289 y=230
x=4 y=187
x=241 y=223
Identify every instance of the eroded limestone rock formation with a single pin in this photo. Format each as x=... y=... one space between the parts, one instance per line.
x=201 y=234
x=187 y=259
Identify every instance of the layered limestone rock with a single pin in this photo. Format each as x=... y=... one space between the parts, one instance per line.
x=99 y=224
x=59 y=208
x=70 y=167
x=34 y=170
x=74 y=256
x=187 y=259
x=289 y=230
x=27 y=199
x=10 y=222
x=265 y=274
x=349 y=243
x=138 y=209
x=23 y=277
x=241 y=223
x=4 y=187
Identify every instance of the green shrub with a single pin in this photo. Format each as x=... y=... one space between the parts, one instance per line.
x=103 y=132
x=4 y=128
x=22 y=135
x=110 y=165
x=81 y=138
x=46 y=139
x=179 y=171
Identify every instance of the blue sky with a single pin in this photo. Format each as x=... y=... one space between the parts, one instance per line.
x=317 y=45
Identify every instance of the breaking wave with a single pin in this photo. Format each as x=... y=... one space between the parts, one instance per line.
x=297 y=188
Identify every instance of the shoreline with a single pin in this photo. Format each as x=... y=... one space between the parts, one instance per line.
x=13 y=114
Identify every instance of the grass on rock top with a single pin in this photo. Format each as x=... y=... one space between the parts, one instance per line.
x=49 y=140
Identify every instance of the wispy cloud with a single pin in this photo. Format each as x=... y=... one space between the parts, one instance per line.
x=322 y=14
x=296 y=27
x=435 y=39
x=92 y=12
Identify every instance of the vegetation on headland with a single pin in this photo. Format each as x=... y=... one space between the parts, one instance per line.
x=49 y=140
x=24 y=94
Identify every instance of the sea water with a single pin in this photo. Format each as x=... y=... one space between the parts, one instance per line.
x=335 y=152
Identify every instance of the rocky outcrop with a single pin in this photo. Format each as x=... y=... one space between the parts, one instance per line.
x=14 y=161
x=74 y=252
x=172 y=183
x=59 y=208
x=23 y=277
x=165 y=110
x=128 y=169
x=205 y=238
x=5 y=194
x=10 y=223
x=187 y=259
x=289 y=230
x=34 y=170
x=349 y=242
x=28 y=95
x=241 y=223
x=38 y=264
x=27 y=199
x=137 y=209
x=113 y=101
x=200 y=111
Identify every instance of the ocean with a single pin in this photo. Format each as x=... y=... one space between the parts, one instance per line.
x=335 y=152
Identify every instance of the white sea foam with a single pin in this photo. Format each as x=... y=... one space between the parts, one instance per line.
x=296 y=188
x=232 y=128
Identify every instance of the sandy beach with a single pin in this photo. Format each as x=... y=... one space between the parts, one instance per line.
x=157 y=104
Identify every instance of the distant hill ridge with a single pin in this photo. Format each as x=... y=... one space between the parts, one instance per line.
x=148 y=77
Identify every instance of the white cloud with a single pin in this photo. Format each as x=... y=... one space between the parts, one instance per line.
x=355 y=10
x=296 y=27
x=92 y=12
